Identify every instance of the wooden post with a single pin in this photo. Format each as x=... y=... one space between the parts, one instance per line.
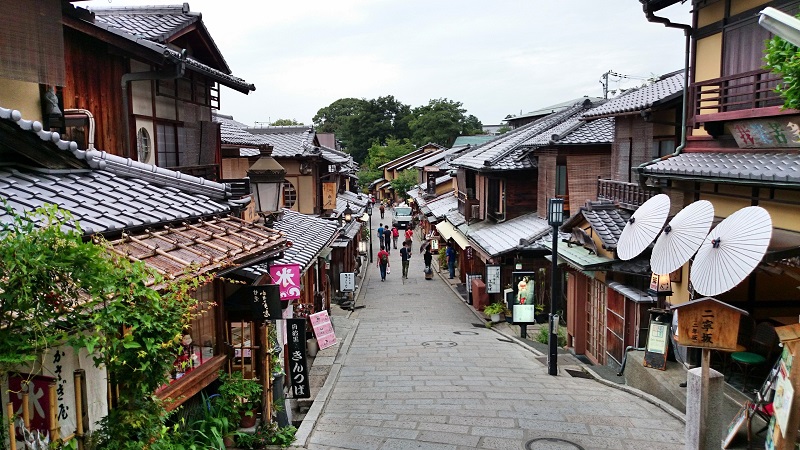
x=12 y=440
x=51 y=413
x=77 y=377
x=705 y=365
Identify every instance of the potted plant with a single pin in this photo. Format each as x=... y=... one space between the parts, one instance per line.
x=494 y=310
x=241 y=397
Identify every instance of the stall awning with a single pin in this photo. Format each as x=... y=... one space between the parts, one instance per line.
x=631 y=293
x=447 y=231
x=579 y=257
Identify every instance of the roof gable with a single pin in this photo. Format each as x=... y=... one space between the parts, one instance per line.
x=668 y=87
x=166 y=24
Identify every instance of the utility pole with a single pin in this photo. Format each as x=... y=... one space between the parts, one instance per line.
x=604 y=82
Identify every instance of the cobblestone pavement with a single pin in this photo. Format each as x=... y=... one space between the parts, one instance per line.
x=414 y=372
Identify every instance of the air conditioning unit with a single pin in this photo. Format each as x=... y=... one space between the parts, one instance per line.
x=475 y=211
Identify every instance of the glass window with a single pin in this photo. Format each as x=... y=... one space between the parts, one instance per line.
x=561 y=180
x=170 y=142
x=289 y=194
x=199 y=343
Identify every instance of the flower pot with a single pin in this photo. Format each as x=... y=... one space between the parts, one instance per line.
x=229 y=441
x=247 y=419
x=495 y=318
x=312 y=347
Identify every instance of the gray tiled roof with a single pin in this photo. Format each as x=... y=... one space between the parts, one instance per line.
x=439 y=157
x=115 y=193
x=357 y=205
x=606 y=220
x=235 y=133
x=442 y=205
x=498 y=238
x=290 y=141
x=600 y=131
x=223 y=77
x=335 y=156
x=669 y=87
x=505 y=152
x=758 y=167
x=157 y=23
x=308 y=234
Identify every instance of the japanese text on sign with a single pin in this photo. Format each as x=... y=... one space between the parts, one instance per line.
x=287 y=277
x=298 y=368
x=702 y=331
x=347 y=281
x=323 y=329
x=761 y=133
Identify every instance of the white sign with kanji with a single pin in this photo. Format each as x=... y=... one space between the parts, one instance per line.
x=347 y=281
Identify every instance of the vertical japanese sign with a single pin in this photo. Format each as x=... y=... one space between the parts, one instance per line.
x=702 y=332
x=431 y=183
x=287 y=277
x=323 y=329
x=347 y=281
x=298 y=368
x=38 y=398
x=328 y=196
x=493 y=279
x=266 y=301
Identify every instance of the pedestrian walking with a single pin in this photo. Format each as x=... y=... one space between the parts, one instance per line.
x=405 y=255
x=395 y=235
x=380 y=233
x=383 y=262
x=409 y=233
x=451 y=259
x=428 y=258
x=382 y=209
x=387 y=238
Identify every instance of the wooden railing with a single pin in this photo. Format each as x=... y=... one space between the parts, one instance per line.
x=749 y=90
x=627 y=195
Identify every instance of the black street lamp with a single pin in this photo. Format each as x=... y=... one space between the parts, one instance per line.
x=555 y=217
x=369 y=212
x=348 y=213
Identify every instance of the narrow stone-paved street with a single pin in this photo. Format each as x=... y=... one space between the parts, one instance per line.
x=415 y=372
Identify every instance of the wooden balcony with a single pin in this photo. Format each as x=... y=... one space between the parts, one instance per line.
x=626 y=195
x=735 y=97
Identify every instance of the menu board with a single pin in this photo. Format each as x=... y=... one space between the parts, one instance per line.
x=655 y=355
x=323 y=329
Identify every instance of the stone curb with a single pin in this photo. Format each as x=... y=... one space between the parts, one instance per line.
x=313 y=414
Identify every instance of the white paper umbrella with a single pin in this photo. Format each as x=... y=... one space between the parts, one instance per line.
x=731 y=251
x=682 y=237
x=643 y=227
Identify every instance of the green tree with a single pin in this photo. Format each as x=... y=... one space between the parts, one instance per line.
x=472 y=126
x=441 y=121
x=332 y=118
x=378 y=155
x=405 y=180
x=503 y=129
x=379 y=120
x=286 y=122
x=783 y=58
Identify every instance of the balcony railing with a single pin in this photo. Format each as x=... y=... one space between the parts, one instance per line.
x=627 y=195
x=749 y=90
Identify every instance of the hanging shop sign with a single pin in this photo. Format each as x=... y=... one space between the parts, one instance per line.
x=328 y=196
x=493 y=279
x=323 y=329
x=767 y=133
x=298 y=367
x=287 y=278
x=265 y=301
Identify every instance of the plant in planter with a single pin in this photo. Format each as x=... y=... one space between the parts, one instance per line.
x=494 y=310
x=267 y=435
x=241 y=397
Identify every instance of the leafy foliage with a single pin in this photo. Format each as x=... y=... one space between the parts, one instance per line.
x=56 y=289
x=241 y=394
x=332 y=118
x=784 y=58
x=286 y=122
x=377 y=155
x=268 y=434
x=404 y=182
x=442 y=121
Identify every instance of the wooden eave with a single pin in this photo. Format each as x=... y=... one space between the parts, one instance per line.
x=199 y=36
x=111 y=39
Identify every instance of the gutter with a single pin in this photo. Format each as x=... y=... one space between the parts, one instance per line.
x=167 y=73
x=687 y=29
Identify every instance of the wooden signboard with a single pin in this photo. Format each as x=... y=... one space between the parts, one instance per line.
x=655 y=355
x=328 y=196
x=709 y=324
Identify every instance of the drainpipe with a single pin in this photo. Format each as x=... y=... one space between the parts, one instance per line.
x=90 y=119
x=687 y=29
x=170 y=72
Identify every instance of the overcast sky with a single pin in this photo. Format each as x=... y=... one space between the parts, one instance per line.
x=497 y=58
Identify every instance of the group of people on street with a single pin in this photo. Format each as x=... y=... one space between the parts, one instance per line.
x=388 y=237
